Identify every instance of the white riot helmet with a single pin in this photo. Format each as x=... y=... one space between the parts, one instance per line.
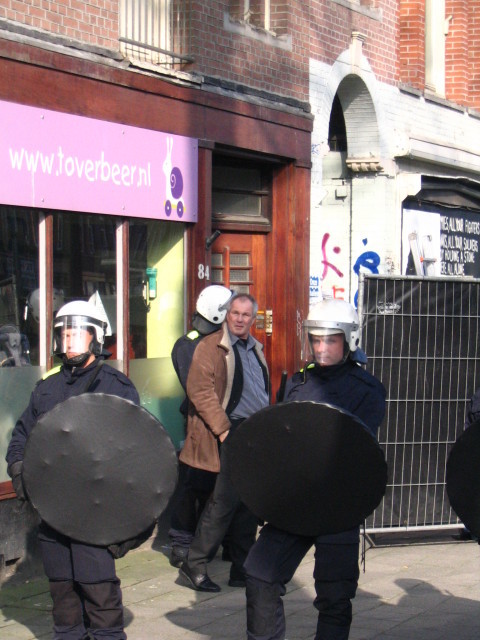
x=78 y=315
x=330 y=317
x=33 y=303
x=211 y=303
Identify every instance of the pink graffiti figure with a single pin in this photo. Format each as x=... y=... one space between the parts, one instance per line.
x=326 y=264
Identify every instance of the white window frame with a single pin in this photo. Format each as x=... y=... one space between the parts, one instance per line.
x=146 y=22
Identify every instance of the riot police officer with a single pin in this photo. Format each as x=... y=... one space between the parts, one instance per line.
x=333 y=376
x=83 y=583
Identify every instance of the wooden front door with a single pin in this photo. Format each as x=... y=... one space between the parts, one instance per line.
x=239 y=262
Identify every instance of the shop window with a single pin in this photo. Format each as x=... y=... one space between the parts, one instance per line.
x=156 y=31
x=19 y=314
x=156 y=304
x=241 y=194
x=87 y=262
x=19 y=319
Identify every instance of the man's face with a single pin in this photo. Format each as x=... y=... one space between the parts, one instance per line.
x=240 y=318
x=76 y=341
x=328 y=350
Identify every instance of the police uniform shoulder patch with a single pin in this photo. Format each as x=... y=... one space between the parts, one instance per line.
x=51 y=372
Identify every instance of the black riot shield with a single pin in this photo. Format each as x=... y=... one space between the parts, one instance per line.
x=463 y=478
x=99 y=468
x=307 y=468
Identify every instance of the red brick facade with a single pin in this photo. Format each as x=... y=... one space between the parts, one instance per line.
x=462 y=49
x=94 y=23
x=474 y=53
x=228 y=45
x=412 y=43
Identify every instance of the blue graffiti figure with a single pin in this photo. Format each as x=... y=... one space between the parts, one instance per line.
x=368 y=260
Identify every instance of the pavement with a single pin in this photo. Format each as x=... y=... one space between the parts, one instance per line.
x=413 y=589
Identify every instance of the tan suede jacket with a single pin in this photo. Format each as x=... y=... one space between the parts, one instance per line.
x=209 y=388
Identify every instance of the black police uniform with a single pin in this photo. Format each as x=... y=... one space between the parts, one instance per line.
x=274 y=558
x=83 y=584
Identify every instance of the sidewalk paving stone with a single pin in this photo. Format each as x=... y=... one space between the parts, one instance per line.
x=408 y=592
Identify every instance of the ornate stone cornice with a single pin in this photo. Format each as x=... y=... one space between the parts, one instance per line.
x=364 y=165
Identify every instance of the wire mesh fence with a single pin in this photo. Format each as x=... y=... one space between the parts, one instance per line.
x=421 y=336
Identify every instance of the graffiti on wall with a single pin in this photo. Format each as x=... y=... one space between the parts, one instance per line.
x=331 y=282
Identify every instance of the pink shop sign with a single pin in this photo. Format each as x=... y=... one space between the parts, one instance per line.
x=54 y=160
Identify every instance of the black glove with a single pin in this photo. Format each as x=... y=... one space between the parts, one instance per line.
x=15 y=472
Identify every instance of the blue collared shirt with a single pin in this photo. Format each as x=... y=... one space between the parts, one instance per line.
x=254 y=396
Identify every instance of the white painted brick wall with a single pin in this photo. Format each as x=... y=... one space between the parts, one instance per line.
x=371 y=220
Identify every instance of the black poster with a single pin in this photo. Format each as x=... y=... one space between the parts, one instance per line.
x=441 y=243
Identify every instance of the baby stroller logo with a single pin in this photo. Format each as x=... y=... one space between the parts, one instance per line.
x=173 y=184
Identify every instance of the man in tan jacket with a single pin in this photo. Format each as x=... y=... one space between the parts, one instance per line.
x=227 y=382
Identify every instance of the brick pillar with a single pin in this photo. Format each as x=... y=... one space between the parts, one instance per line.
x=456 y=50
x=474 y=53
x=412 y=43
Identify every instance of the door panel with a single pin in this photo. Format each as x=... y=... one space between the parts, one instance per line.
x=239 y=262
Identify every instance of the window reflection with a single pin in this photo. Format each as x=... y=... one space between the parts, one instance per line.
x=157 y=317
x=18 y=281
x=156 y=307
x=84 y=264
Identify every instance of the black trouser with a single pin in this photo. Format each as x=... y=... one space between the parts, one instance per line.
x=224 y=512
x=84 y=587
x=271 y=564
x=196 y=486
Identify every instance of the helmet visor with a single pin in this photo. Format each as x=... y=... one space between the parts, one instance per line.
x=75 y=335
x=325 y=346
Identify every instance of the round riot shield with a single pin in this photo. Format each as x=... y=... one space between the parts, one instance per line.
x=463 y=478
x=307 y=468
x=99 y=469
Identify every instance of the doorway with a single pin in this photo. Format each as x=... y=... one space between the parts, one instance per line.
x=239 y=262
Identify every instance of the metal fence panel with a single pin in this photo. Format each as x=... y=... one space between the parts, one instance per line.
x=421 y=336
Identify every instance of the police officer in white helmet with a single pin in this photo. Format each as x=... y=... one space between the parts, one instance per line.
x=332 y=375
x=85 y=590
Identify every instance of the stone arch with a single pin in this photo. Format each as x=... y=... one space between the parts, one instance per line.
x=353 y=80
x=363 y=138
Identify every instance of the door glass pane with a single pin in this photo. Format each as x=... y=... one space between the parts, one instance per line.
x=157 y=317
x=18 y=318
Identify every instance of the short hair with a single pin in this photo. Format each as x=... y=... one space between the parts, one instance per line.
x=243 y=296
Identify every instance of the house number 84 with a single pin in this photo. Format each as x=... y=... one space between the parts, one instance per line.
x=203 y=272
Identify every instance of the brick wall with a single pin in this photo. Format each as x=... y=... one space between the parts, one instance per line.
x=412 y=43
x=474 y=52
x=225 y=46
x=245 y=54
x=462 y=49
x=320 y=29
x=456 y=51
x=331 y=26
x=94 y=23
